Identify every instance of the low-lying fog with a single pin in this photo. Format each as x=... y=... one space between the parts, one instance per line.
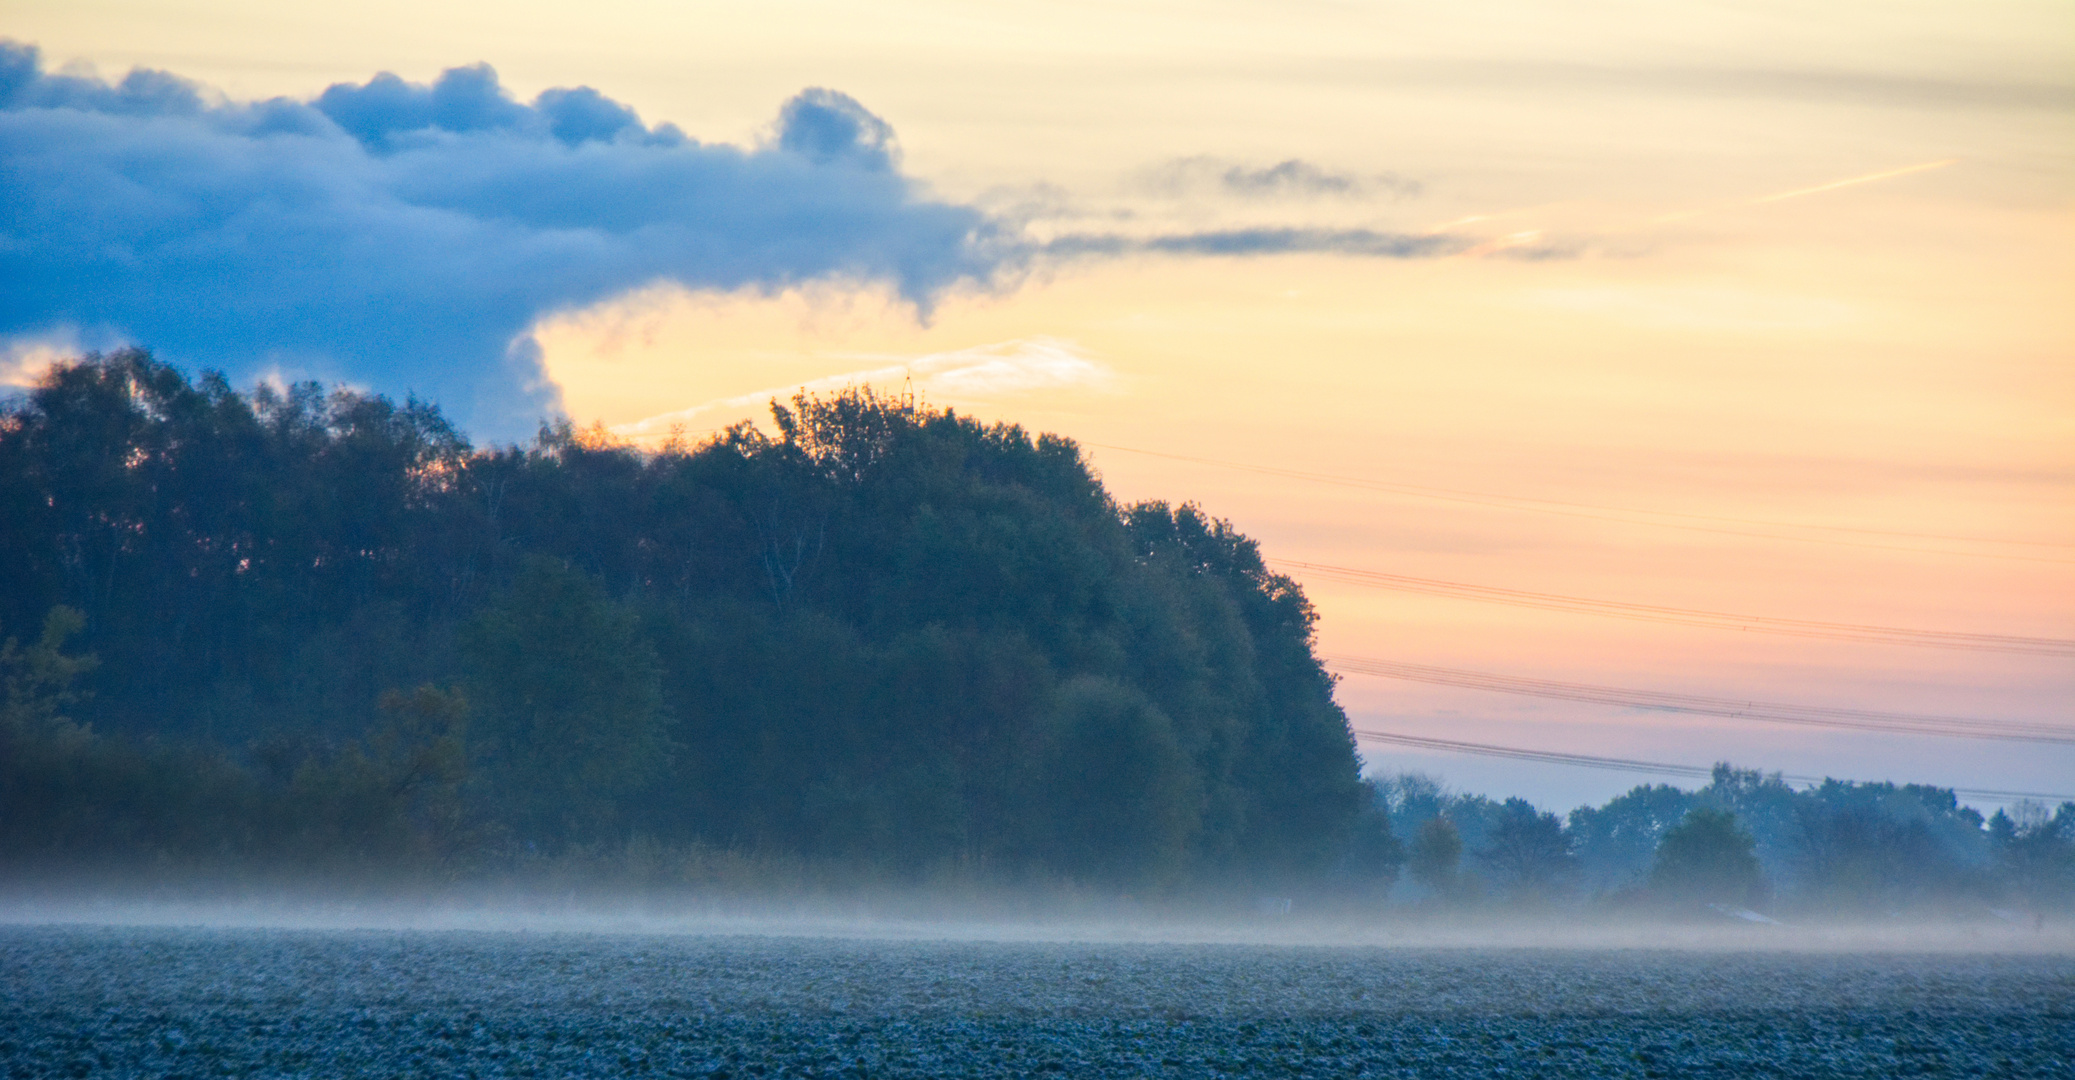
x=1025 y=919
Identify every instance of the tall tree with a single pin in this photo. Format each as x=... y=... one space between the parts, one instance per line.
x=1526 y=852
x=1706 y=859
x=1435 y=858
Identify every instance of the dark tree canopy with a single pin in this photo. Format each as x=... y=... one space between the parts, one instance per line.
x=1526 y=852
x=1435 y=857
x=889 y=635
x=1706 y=859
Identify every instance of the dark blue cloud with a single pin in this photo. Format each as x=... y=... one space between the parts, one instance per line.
x=405 y=236
x=584 y=114
x=1290 y=178
x=1263 y=241
x=828 y=127
x=24 y=85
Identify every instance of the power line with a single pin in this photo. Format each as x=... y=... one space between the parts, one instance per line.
x=1551 y=757
x=1602 y=513
x=1720 y=620
x=1592 y=761
x=1701 y=705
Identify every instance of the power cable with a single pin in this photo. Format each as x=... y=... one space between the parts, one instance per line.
x=1592 y=761
x=1601 y=513
x=1702 y=705
x=1720 y=620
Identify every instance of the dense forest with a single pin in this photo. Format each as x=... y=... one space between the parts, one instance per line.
x=308 y=634
x=890 y=636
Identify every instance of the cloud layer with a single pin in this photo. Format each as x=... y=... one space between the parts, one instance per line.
x=1262 y=241
x=1291 y=178
x=405 y=236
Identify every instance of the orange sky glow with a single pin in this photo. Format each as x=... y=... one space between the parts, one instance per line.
x=1758 y=309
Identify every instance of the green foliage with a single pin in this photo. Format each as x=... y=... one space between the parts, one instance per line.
x=570 y=701
x=395 y=801
x=1116 y=799
x=1435 y=857
x=2034 y=855
x=1373 y=856
x=1836 y=848
x=890 y=637
x=1526 y=853
x=1616 y=842
x=74 y=801
x=1881 y=847
x=40 y=681
x=1706 y=859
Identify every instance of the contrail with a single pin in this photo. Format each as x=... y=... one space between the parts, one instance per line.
x=1719 y=620
x=1528 y=236
x=1867 y=179
x=1799 y=192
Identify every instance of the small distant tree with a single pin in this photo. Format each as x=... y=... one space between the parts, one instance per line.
x=1435 y=858
x=1706 y=858
x=1616 y=842
x=1527 y=852
x=2035 y=853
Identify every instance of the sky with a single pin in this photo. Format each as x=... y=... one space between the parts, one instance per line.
x=1740 y=307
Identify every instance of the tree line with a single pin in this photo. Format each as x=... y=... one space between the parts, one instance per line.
x=1747 y=840
x=315 y=633
x=323 y=626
